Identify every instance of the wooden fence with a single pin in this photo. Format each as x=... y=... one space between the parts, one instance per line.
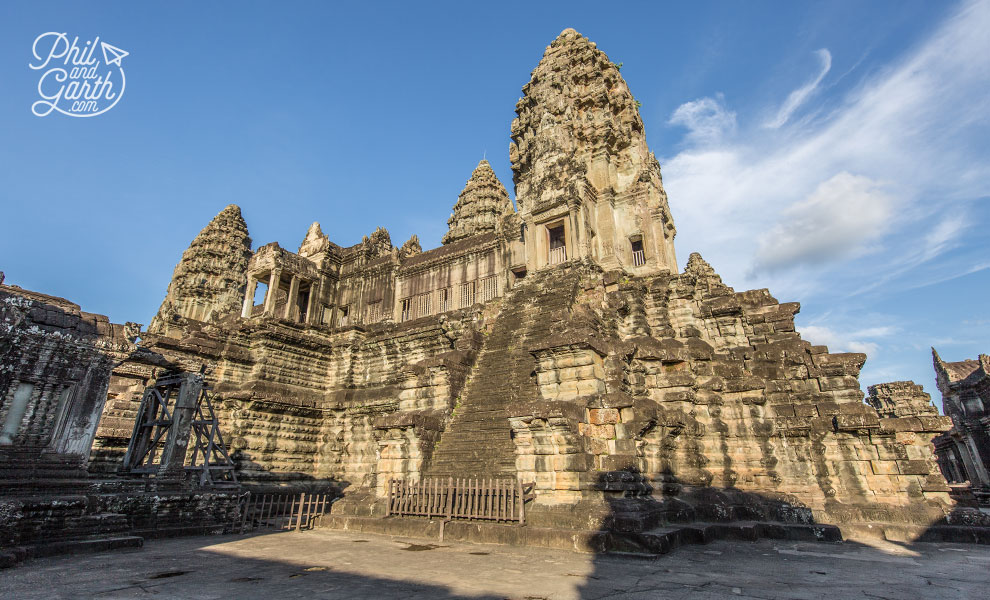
x=501 y=500
x=282 y=512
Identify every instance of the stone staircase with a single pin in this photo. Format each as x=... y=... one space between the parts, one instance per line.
x=30 y=471
x=477 y=442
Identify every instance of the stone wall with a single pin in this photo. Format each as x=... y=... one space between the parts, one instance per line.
x=724 y=396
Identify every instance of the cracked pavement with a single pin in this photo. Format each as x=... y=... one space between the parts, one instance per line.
x=336 y=564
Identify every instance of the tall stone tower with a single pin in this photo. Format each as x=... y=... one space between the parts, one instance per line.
x=480 y=207
x=586 y=183
x=209 y=279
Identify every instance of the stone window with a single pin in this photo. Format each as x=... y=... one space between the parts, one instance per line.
x=62 y=413
x=558 y=247
x=424 y=305
x=406 y=309
x=638 y=255
x=467 y=294
x=522 y=233
x=342 y=316
x=444 y=298
x=15 y=413
x=519 y=273
x=375 y=311
x=489 y=288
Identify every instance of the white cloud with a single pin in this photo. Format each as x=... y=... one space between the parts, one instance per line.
x=797 y=207
x=944 y=235
x=706 y=119
x=862 y=340
x=796 y=98
x=842 y=217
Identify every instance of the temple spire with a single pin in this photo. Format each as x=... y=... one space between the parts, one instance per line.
x=578 y=141
x=480 y=206
x=210 y=278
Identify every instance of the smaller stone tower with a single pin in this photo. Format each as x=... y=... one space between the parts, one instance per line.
x=209 y=279
x=480 y=206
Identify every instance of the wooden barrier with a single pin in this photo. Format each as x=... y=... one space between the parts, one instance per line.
x=501 y=500
x=282 y=512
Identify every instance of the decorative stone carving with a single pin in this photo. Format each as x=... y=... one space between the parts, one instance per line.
x=578 y=143
x=210 y=278
x=964 y=451
x=410 y=248
x=315 y=242
x=379 y=243
x=900 y=399
x=480 y=207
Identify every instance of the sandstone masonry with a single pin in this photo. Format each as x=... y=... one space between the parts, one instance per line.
x=556 y=343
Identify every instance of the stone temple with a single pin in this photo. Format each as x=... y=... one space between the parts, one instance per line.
x=554 y=342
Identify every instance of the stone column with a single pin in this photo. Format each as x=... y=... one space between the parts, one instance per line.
x=971 y=475
x=573 y=236
x=314 y=289
x=292 y=306
x=177 y=440
x=252 y=287
x=272 y=296
x=979 y=470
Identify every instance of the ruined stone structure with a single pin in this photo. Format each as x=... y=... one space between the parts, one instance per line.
x=56 y=366
x=900 y=399
x=555 y=343
x=964 y=451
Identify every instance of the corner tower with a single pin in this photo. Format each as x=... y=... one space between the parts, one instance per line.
x=587 y=185
x=209 y=279
x=480 y=207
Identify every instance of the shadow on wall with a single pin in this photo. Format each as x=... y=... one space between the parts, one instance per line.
x=635 y=517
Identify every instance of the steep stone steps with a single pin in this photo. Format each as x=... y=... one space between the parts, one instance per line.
x=29 y=463
x=477 y=442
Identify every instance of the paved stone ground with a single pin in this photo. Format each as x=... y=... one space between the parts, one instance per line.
x=332 y=564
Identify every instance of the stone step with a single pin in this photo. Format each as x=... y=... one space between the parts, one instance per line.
x=478 y=437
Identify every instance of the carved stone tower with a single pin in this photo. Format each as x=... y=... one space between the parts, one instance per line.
x=586 y=183
x=209 y=279
x=480 y=207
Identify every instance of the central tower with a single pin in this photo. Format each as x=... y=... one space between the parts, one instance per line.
x=587 y=185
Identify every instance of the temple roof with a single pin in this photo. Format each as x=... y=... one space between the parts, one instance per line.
x=480 y=206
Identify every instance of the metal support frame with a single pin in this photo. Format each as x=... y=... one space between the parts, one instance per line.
x=175 y=406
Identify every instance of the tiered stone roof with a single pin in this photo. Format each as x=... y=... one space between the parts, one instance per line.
x=576 y=112
x=480 y=206
x=209 y=279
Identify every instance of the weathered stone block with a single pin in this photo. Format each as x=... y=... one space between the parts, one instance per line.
x=913 y=467
x=844 y=382
x=598 y=431
x=884 y=467
x=603 y=416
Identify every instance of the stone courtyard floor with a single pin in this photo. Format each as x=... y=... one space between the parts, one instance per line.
x=332 y=564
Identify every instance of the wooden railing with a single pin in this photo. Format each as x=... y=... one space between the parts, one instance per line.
x=558 y=255
x=639 y=258
x=501 y=500
x=282 y=512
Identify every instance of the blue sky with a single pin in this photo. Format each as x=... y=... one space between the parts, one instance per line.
x=835 y=152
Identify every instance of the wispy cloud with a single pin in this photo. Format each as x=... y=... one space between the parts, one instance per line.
x=866 y=340
x=842 y=217
x=789 y=207
x=796 y=98
x=706 y=120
